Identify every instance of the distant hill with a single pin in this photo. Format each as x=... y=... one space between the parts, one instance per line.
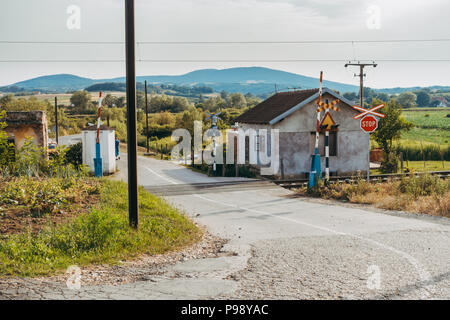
x=256 y=80
x=57 y=82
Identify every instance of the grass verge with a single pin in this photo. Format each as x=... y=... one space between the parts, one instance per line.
x=425 y=194
x=99 y=236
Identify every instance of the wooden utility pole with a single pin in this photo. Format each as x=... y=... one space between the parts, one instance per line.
x=361 y=95
x=130 y=43
x=56 y=120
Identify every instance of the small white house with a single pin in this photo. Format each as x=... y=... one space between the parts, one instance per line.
x=107 y=148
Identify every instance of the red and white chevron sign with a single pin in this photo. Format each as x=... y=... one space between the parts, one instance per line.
x=366 y=112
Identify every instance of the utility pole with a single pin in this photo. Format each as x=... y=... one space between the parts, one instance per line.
x=130 y=44
x=146 y=115
x=56 y=120
x=361 y=95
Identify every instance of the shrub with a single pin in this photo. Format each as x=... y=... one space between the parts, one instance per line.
x=424 y=185
x=390 y=163
x=74 y=155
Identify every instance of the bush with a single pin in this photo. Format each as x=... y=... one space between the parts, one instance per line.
x=74 y=155
x=424 y=185
x=390 y=163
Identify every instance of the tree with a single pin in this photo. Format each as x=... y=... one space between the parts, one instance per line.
x=382 y=96
x=407 y=99
x=352 y=96
x=110 y=101
x=188 y=117
x=423 y=99
x=140 y=100
x=237 y=100
x=390 y=128
x=121 y=102
x=6 y=148
x=81 y=100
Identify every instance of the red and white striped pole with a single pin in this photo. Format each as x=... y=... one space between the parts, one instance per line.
x=98 y=162
x=316 y=146
x=99 y=111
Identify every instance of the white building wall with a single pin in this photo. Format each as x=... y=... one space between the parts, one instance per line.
x=107 y=149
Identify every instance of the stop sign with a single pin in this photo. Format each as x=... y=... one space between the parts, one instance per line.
x=369 y=124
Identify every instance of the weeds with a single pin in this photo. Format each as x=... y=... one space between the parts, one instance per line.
x=421 y=194
x=100 y=236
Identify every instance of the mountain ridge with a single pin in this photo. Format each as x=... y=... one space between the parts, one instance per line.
x=256 y=80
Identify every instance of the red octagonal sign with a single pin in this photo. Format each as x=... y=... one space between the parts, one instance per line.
x=369 y=124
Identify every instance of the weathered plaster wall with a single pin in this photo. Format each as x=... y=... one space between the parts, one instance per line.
x=23 y=124
x=296 y=141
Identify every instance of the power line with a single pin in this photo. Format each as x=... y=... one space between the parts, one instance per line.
x=214 y=60
x=228 y=42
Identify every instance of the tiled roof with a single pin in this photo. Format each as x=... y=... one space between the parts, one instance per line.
x=274 y=106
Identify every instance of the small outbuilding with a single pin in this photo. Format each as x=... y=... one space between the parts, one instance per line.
x=294 y=115
x=23 y=124
x=107 y=148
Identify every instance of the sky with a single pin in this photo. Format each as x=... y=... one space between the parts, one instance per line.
x=229 y=21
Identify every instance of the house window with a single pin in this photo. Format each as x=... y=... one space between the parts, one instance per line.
x=332 y=142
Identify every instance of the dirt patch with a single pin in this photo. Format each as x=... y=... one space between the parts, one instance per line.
x=18 y=219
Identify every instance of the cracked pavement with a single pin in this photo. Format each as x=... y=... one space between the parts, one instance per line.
x=279 y=247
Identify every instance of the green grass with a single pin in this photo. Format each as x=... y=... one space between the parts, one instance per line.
x=421 y=166
x=434 y=119
x=426 y=136
x=100 y=236
x=431 y=126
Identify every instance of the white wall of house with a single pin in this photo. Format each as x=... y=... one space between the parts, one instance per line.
x=296 y=140
x=107 y=149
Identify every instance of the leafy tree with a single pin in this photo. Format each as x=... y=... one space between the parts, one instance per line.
x=435 y=103
x=237 y=100
x=407 y=99
x=423 y=99
x=224 y=95
x=140 y=100
x=6 y=149
x=81 y=100
x=352 y=96
x=110 y=101
x=10 y=103
x=121 y=102
x=390 y=128
x=382 y=96
x=187 y=118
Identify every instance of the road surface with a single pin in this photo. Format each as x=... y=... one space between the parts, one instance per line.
x=283 y=247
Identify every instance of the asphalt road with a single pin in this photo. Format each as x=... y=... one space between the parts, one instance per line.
x=283 y=247
x=290 y=248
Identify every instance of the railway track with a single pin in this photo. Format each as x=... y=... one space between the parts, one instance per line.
x=297 y=183
x=243 y=185
x=210 y=187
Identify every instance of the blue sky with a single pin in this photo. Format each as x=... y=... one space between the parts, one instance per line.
x=230 y=20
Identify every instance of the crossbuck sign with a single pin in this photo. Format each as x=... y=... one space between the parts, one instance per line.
x=368 y=122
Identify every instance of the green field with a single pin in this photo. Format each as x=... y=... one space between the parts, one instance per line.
x=431 y=126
